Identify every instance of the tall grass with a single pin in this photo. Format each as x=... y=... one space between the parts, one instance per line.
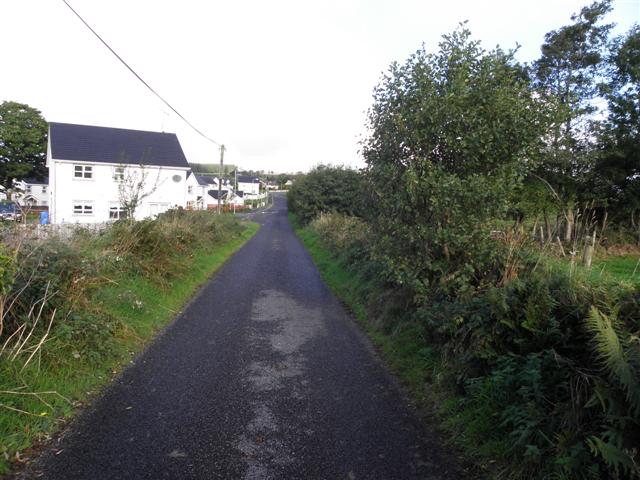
x=75 y=311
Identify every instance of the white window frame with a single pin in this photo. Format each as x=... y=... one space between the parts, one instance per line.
x=118 y=173
x=190 y=189
x=27 y=189
x=161 y=207
x=86 y=172
x=44 y=189
x=118 y=209
x=86 y=208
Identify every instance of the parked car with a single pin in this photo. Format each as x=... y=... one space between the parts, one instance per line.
x=10 y=211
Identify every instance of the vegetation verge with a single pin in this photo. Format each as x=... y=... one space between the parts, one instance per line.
x=523 y=376
x=109 y=295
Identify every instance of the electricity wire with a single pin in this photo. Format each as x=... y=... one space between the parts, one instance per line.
x=139 y=77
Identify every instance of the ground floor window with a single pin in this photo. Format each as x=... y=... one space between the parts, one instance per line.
x=117 y=212
x=82 y=207
x=158 y=208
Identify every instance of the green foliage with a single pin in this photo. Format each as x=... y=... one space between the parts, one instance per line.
x=617 y=171
x=533 y=380
x=110 y=292
x=7 y=272
x=453 y=135
x=327 y=189
x=618 y=394
x=621 y=358
x=213 y=169
x=23 y=142
x=566 y=75
x=537 y=365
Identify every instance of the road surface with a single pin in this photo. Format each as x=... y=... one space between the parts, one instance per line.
x=263 y=376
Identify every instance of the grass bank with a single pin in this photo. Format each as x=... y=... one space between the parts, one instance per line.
x=536 y=378
x=402 y=349
x=402 y=345
x=109 y=295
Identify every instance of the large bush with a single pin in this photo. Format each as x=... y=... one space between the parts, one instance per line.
x=452 y=136
x=327 y=189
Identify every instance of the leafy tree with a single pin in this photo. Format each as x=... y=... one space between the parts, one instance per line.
x=452 y=136
x=618 y=169
x=327 y=189
x=566 y=74
x=23 y=143
x=281 y=180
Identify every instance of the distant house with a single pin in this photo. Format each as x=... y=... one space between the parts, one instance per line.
x=90 y=168
x=31 y=192
x=196 y=191
x=250 y=186
x=211 y=198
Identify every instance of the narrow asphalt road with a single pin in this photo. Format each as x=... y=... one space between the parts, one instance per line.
x=263 y=376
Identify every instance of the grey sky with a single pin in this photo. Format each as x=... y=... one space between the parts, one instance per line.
x=284 y=84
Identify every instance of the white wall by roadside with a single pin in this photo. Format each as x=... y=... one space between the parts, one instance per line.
x=97 y=199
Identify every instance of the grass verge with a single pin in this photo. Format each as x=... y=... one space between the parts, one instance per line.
x=512 y=372
x=37 y=401
x=402 y=347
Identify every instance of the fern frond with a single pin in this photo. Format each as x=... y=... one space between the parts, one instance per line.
x=611 y=350
x=613 y=456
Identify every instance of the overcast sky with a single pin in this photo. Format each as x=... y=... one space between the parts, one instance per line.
x=284 y=84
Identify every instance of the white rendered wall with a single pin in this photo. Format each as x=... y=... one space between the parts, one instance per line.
x=102 y=190
x=249 y=188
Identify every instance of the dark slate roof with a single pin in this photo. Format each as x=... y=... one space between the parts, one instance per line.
x=205 y=180
x=214 y=194
x=246 y=179
x=35 y=181
x=115 y=145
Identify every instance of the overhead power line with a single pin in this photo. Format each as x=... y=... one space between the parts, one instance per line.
x=138 y=76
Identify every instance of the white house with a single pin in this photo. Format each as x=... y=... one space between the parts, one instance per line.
x=202 y=192
x=210 y=186
x=31 y=192
x=194 y=194
x=92 y=170
x=249 y=186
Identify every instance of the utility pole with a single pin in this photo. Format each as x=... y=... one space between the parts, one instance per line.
x=235 y=188
x=220 y=180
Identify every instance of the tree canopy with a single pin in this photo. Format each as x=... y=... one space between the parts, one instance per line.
x=452 y=136
x=23 y=142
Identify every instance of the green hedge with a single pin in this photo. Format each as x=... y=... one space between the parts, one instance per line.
x=537 y=377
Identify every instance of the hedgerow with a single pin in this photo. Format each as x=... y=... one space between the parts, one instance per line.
x=539 y=366
x=74 y=308
x=541 y=373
